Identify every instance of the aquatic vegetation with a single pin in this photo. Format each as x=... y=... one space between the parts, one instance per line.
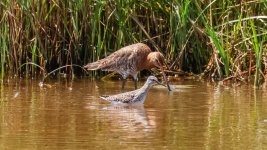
x=220 y=38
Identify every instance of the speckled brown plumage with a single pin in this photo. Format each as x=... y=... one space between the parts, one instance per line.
x=129 y=60
x=133 y=97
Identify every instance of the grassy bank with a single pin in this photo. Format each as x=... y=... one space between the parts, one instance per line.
x=220 y=39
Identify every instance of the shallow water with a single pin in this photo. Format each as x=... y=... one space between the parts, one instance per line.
x=197 y=115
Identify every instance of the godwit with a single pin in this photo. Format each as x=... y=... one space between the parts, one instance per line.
x=129 y=60
x=133 y=97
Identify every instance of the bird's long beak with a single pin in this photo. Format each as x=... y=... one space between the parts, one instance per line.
x=165 y=78
x=161 y=84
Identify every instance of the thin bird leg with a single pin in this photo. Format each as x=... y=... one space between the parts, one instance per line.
x=135 y=83
x=165 y=78
x=123 y=84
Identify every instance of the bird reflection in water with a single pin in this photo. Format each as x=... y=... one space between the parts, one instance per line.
x=133 y=118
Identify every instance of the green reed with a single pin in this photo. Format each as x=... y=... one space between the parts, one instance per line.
x=3 y=42
x=214 y=37
x=219 y=46
x=257 y=47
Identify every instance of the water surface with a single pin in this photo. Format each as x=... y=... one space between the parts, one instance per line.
x=197 y=115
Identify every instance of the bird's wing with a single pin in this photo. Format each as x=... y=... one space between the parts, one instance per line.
x=111 y=62
x=120 y=58
x=117 y=59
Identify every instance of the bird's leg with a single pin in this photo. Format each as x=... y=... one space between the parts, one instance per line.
x=135 y=80
x=123 y=84
x=165 y=78
x=135 y=83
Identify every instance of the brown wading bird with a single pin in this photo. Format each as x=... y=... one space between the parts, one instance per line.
x=129 y=60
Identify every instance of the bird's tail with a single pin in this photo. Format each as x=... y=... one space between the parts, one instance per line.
x=93 y=66
x=104 y=97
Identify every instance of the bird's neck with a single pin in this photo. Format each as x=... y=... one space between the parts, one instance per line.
x=146 y=87
x=143 y=92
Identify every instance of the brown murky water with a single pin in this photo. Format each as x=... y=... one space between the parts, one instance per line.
x=197 y=115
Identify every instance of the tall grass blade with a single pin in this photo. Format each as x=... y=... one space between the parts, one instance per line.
x=3 y=48
x=258 y=53
x=220 y=48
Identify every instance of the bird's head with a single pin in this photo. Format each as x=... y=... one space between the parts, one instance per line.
x=152 y=80
x=157 y=59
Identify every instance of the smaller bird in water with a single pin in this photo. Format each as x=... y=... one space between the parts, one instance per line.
x=129 y=60
x=133 y=97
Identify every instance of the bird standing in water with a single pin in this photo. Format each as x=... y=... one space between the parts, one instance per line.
x=129 y=60
x=133 y=97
